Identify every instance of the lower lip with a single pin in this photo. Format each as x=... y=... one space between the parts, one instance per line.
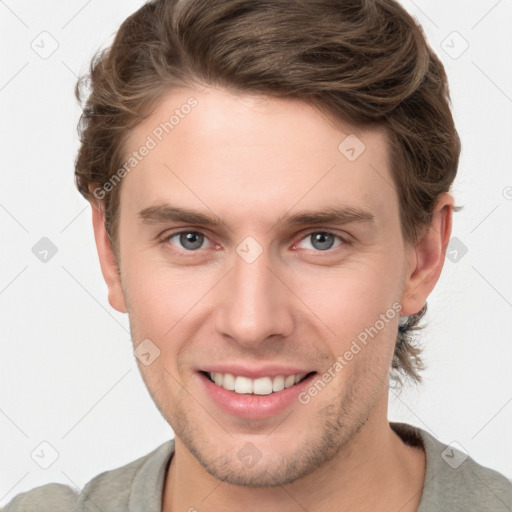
x=253 y=406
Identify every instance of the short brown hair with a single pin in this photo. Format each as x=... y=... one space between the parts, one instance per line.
x=362 y=61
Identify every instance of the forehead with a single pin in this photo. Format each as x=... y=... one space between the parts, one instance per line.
x=265 y=155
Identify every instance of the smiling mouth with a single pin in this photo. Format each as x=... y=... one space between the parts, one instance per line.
x=261 y=386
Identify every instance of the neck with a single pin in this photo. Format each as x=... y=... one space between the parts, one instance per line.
x=376 y=470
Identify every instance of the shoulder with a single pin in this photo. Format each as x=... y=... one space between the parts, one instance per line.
x=453 y=480
x=49 y=497
x=118 y=489
x=109 y=490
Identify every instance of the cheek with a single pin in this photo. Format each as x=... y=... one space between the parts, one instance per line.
x=167 y=306
x=342 y=301
x=352 y=297
x=160 y=297
x=358 y=303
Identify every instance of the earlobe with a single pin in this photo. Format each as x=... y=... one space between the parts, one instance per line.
x=426 y=259
x=108 y=263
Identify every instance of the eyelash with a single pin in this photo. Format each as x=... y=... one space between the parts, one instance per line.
x=344 y=241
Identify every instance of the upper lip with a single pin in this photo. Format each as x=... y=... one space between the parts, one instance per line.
x=270 y=370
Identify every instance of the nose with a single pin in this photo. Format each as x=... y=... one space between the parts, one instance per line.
x=254 y=303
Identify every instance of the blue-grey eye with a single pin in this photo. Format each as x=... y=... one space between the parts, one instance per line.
x=189 y=240
x=321 y=241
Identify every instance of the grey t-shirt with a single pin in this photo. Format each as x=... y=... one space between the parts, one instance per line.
x=453 y=482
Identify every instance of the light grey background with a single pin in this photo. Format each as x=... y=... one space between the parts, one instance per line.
x=68 y=374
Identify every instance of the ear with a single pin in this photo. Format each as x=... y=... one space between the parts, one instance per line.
x=108 y=263
x=426 y=258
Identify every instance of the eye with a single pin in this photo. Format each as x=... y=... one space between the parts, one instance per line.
x=322 y=240
x=192 y=241
x=188 y=240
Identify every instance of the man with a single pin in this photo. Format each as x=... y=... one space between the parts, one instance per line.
x=269 y=184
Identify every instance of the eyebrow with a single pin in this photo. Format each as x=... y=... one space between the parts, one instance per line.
x=161 y=214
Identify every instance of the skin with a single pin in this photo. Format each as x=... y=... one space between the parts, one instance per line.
x=251 y=160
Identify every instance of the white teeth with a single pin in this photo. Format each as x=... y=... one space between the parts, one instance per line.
x=243 y=385
x=261 y=386
x=299 y=377
x=289 y=381
x=278 y=383
x=229 y=382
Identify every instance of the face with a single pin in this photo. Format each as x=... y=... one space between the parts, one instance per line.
x=277 y=290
